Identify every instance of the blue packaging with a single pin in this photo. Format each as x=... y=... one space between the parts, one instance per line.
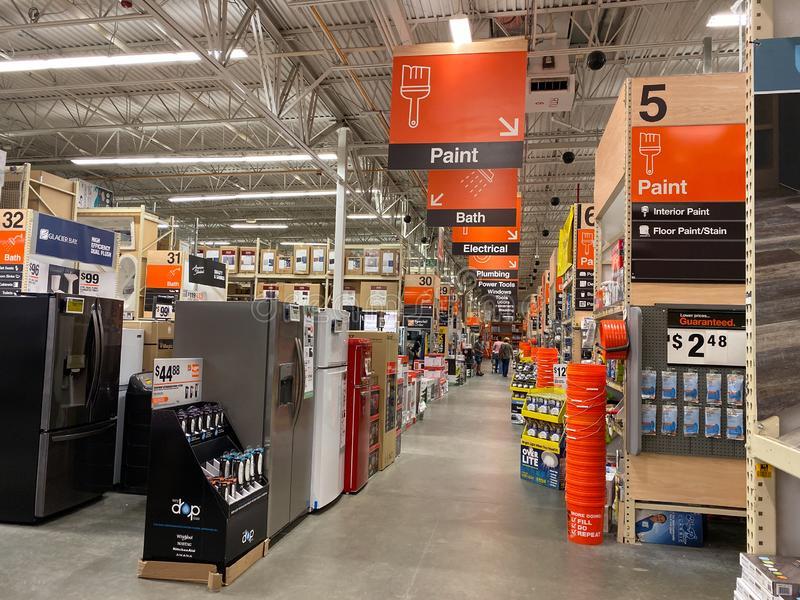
x=669 y=419
x=734 y=388
x=713 y=422
x=648 y=385
x=649 y=419
x=714 y=388
x=691 y=421
x=669 y=527
x=734 y=427
x=669 y=385
x=690 y=393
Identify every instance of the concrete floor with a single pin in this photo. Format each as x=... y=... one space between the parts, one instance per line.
x=450 y=519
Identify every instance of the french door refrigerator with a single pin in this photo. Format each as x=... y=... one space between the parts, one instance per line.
x=330 y=389
x=58 y=397
x=360 y=380
x=254 y=364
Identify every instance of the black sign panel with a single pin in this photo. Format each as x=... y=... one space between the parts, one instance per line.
x=418 y=322
x=492 y=217
x=10 y=280
x=706 y=319
x=486 y=248
x=497 y=285
x=480 y=155
x=584 y=289
x=691 y=241
x=496 y=274
x=205 y=271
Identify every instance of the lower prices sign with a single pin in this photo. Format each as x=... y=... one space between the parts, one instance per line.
x=712 y=338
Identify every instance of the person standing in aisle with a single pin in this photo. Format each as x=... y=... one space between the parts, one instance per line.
x=496 y=355
x=478 y=349
x=505 y=354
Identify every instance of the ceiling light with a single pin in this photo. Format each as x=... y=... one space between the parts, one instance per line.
x=302 y=244
x=215 y=243
x=727 y=19
x=258 y=226
x=255 y=195
x=191 y=160
x=362 y=217
x=459 y=29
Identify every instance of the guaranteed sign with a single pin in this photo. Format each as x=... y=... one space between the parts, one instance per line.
x=459 y=107
x=478 y=198
x=712 y=338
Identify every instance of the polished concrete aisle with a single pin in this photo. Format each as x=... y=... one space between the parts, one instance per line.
x=449 y=520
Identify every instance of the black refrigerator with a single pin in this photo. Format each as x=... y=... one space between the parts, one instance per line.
x=58 y=399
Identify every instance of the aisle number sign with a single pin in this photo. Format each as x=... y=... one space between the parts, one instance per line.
x=459 y=106
x=12 y=250
x=477 y=197
x=419 y=290
x=710 y=338
x=177 y=381
x=164 y=270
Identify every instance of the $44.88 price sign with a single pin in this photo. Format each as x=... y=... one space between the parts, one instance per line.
x=177 y=381
x=712 y=338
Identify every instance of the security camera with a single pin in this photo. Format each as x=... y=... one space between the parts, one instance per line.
x=537 y=263
x=568 y=157
x=545 y=232
x=126 y=3
x=407 y=219
x=425 y=240
x=555 y=201
x=596 y=60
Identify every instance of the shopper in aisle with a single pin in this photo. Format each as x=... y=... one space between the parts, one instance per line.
x=478 y=348
x=496 y=355
x=505 y=354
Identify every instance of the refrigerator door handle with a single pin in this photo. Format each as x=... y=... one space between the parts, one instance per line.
x=96 y=359
x=301 y=381
x=69 y=437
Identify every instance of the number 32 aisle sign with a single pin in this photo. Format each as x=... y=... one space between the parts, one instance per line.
x=712 y=338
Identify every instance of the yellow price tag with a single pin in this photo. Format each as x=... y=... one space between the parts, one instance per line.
x=763 y=470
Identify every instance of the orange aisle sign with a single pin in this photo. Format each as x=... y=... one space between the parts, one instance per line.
x=164 y=270
x=459 y=106
x=495 y=267
x=479 y=198
x=12 y=251
x=492 y=241
x=419 y=290
x=444 y=298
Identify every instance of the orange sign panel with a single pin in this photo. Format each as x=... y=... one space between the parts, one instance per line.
x=584 y=257
x=478 y=197
x=693 y=163
x=12 y=247
x=489 y=241
x=456 y=107
x=509 y=263
x=164 y=277
x=418 y=296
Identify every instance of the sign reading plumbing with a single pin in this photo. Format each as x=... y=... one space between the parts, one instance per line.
x=458 y=106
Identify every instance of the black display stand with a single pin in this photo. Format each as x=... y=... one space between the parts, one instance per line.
x=191 y=532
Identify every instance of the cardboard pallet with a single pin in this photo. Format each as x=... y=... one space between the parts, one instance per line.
x=201 y=572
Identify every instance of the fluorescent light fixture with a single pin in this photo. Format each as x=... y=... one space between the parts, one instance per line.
x=727 y=19
x=215 y=243
x=198 y=160
x=301 y=244
x=258 y=226
x=459 y=29
x=115 y=60
x=362 y=217
x=163 y=225
x=255 y=196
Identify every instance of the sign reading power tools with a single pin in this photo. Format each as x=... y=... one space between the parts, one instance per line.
x=458 y=107
x=687 y=186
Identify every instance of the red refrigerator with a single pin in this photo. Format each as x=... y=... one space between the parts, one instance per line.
x=360 y=380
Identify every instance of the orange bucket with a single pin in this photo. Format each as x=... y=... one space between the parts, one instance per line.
x=585 y=523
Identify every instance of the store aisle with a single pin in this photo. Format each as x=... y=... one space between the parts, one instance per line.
x=450 y=519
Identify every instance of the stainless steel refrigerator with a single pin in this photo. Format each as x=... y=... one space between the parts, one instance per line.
x=254 y=363
x=58 y=399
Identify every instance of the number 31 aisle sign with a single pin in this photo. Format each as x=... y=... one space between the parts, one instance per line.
x=712 y=338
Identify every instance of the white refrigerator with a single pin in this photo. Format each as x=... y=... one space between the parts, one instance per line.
x=330 y=389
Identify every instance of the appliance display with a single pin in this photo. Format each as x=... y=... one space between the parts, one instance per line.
x=356 y=317
x=330 y=389
x=360 y=380
x=130 y=363
x=254 y=365
x=61 y=403
x=136 y=433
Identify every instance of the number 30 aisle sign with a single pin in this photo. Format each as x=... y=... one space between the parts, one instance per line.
x=713 y=338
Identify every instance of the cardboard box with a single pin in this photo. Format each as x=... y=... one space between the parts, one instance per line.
x=351 y=293
x=302 y=260
x=776 y=576
x=305 y=294
x=229 y=256
x=354 y=262
x=285 y=263
x=271 y=291
x=372 y=261
x=318 y=260
x=380 y=295
x=159 y=339
x=390 y=262
x=669 y=527
x=331 y=260
x=268 y=262
x=384 y=365
x=247 y=260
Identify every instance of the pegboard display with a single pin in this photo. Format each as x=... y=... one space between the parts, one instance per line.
x=654 y=356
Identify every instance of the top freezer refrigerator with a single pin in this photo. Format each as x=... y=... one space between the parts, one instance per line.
x=330 y=390
x=58 y=397
x=255 y=363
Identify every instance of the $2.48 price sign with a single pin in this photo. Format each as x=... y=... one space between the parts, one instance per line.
x=713 y=338
x=177 y=381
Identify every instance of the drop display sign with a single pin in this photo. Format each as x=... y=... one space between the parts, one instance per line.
x=706 y=337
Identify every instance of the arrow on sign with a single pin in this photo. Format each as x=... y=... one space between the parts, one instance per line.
x=436 y=200
x=512 y=264
x=511 y=131
x=513 y=234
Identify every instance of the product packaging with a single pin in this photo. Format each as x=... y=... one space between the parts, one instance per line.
x=734 y=429
x=669 y=385
x=648 y=387
x=713 y=427
x=669 y=419
x=735 y=388
x=669 y=527
x=649 y=419
x=714 y=389
x=691 y=420
x=690 y=389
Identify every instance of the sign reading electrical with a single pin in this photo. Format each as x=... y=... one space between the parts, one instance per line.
x=459 y=106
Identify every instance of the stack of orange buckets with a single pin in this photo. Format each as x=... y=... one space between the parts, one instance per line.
x=586 y=453
x=545 y=359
